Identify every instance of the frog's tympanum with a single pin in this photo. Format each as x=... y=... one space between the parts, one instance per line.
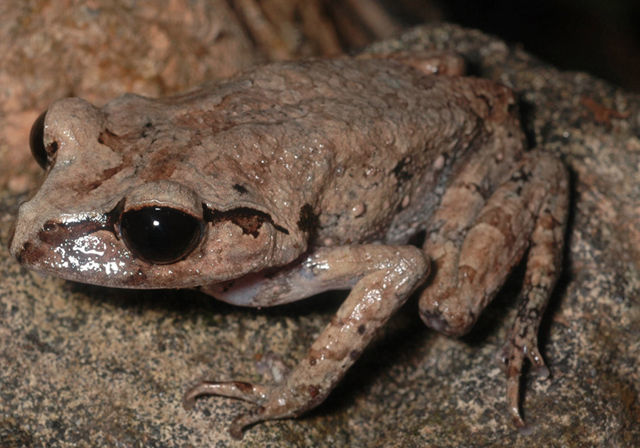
x=300 y=177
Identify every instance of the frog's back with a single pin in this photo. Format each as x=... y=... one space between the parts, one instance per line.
x=390 y=137
x=358 y=141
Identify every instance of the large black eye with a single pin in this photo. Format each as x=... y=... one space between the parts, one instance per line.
x=160 y=235
x=36 y=141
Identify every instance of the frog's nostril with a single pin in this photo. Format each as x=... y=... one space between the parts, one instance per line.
x=49 y=226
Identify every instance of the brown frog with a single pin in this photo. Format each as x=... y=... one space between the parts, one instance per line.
x=299 y=177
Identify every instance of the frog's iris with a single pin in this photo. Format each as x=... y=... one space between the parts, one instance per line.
x=160 y=235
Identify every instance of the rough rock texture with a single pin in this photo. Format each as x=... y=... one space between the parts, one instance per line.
x=88 y=366
x=100 y=49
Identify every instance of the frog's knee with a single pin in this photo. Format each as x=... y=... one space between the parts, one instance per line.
x=446 y=319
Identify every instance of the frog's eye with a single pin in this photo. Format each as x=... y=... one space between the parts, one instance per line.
x=160 y=235
x=43 y=155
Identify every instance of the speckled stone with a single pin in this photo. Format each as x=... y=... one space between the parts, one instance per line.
x=86 y=366
x=100 y=49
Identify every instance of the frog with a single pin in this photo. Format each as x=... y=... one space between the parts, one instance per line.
x=386 y=176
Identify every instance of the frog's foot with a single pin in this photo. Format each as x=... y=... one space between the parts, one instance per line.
x=474 y=255
x=382 y=278
x=543 y=266
x=271 y=402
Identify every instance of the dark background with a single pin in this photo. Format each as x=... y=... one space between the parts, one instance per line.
x=601 y=37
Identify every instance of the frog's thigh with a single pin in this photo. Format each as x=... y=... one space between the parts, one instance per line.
x=384 y=277
x=472 y=263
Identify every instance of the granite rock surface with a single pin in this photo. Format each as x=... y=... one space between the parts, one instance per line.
x=85 y=366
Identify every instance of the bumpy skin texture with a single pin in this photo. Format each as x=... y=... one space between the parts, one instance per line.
x=310 y=176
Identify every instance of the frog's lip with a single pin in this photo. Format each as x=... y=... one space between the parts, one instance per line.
x=85 y=259
x=113 y=268
x=30 y=248
x=90 y=251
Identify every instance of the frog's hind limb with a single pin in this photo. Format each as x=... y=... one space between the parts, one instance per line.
x=382 y=277
x=474 y=253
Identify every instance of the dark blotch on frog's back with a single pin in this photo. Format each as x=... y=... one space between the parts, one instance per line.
x=308 y=221
x=240 y=188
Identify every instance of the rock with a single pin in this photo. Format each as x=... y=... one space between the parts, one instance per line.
x=101 y=49
x=90 y=366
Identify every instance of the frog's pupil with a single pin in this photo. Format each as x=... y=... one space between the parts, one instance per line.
x=36 y=141
x=160 y=235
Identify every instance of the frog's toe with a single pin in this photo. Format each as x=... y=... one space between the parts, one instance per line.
x=270 y=402
x=253 y=393
x=539 y=367
x=513 y=356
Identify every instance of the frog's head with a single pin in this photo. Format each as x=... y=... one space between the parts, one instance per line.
x=98 y=219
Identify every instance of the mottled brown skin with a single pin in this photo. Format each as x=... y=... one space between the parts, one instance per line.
x=311 y=176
